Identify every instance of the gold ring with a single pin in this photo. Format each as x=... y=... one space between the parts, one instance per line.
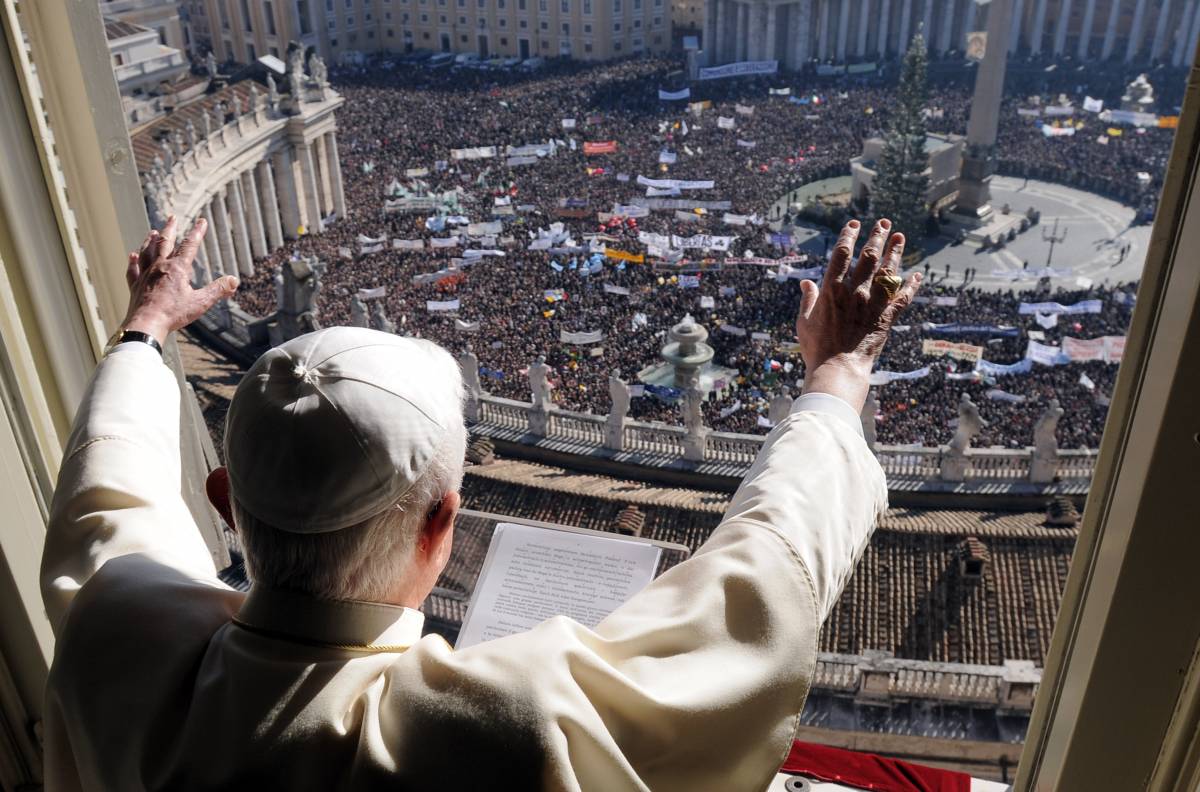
x=890 y=283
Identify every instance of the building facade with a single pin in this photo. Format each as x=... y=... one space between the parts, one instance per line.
x=164 y=17
x=346 y=30
x=796 y=32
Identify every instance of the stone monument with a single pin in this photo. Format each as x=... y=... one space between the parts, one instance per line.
x=272 y=92
x=687 y=353
x=298 y=291
x=867 y=416
x=780 y=406
x=973 y=207
x=954 y=460
x=472 y=387
x=1138 y=96
x=614 y=425
x=358 y=312
x=379 y=319
x=1044 y=467
x=210 y=66
x=539 y=386
x=695 y=437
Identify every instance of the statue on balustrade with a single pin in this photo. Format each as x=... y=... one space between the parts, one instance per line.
x=969 y=425
x=255 y=98
x=320 y=75
x=295 y=76
x=1044 y=465
x=272 y=92
x=539 y=384
x=153 y=198
x=208 y=124
x=472 y=387
x=358 y=312
x=298 y=292
x=210 y=65
x=191 y=135
x=167 y=155
x=781 y=405
x=614 y=424
x=696 y=433
x=1138 y=96
x=379 y=319
x=177 y=144
x=869 y=411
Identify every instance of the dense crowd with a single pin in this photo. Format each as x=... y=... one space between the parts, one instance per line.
x=402 y=117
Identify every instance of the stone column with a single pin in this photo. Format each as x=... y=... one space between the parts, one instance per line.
x=308 y=184
x=211 y=243
x=1158 y=48
x=904 y=33
x=885 y=18
x=1110 y=30
x=1085 y=32
x=1060 y=27
x=289 y=193
x=1014 y=33
x=323 y=178
x=720 y=33
x=1135 y=32
x=224 y=236
x=843 y=33
x=254 y=218
x=823 y=33
x=968 y=24
x=804 y=13
x=946 y=34
x=241 y=237
x=768 y=52
x=1039 y=28
x=710 y=23
x=1193 y=38
x=269 y=201
x=1181 y=28
x=927 y=24
x=864 y=25
x=792 y=37
x=200 y=268
x=335 y=171
x=742 y=36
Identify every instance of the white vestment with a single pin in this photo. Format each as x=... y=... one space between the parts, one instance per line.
x=165 y=678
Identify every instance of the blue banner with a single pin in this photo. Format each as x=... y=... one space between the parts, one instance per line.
x=996 y=369
x=956 y=328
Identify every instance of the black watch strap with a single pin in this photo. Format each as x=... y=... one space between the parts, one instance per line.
x=137 y=335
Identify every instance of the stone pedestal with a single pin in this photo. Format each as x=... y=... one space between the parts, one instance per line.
x=694 y=444
x=1042 y=470
x=973 y=206
x=954 y=466
x=539 y=422
x=614 y=433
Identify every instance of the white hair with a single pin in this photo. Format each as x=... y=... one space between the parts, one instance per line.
x=363 y=561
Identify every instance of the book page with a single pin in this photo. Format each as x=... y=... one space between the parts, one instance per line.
x=532 y=574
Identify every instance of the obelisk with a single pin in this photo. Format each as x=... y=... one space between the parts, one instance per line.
x=979 y=159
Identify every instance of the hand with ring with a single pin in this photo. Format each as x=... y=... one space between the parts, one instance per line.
x=842 y=326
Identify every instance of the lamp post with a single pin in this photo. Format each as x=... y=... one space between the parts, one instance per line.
x=1053 y=237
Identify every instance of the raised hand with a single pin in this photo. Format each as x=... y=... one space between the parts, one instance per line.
x=161 y=297
x=842 y=326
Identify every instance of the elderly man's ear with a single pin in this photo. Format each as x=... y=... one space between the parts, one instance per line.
x=217 y=488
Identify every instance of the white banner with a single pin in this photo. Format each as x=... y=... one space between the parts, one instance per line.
x=667 y=157
x=448 y=242
x=375 y=248
x=416 y=173
x=610 y=288
x=742 y=109
x=673 y=96
x=441 y=305
x=686 y=217
x=727 y=291
x=478 y=152
x=731 y=409
x=466 y=327
x=478 y=254
x=654 y=192
x=1053 y=131
x=408 y=244
x=592 y=337
x=1082 y=307
x=630 y=210
x=372 y=294
x=743 y=69
x=1093 y=105
x=485 y=229
x=363 y=239
x=780 y=91
x=678 y=184
x=733 y=330
x=345 y=252
x=568 y=123
x=708 y=303
x=1045 y=354
x=516 y=162
x=1046 y=320
x=701 y=242
x=884 y=377
x=995 y=394
x=1058 y=110
x=726 y=123
x=746 y=143
x=1109 y=349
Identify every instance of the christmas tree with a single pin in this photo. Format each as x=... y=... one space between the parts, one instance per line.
x=901 y=182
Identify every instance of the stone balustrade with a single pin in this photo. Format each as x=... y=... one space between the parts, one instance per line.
x=734 y=453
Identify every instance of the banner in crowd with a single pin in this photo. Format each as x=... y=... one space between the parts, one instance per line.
x=731 y=409
x=1001 y=369
x=959 y=351
x=662 y=204
x=687 y=217
x=415 y=203
x=995 y=394
x=485 y=229
x=441 y=305
x=408 y=244
x=696 y=108
x=957 y=328
x=1045 y=354
x=630 y=210
x=600 y=147
x=733 y=330
x=746 y=143
x=568 y=123
x=741 y=109
x=727 y=291
x=654 y=192
x=466 y=327
x=1029 y=112
x=363 y=239
x=725 y=123
x=780 y=91
x=884 y=377
x=689 y=281
x=743 y=69
x=1082 y=307
x=1109 y=349
x=416 y=173
x=949 y=302
x=372 y=294
x=477 y=254
x=477 y=152
x=433 y=277
x=611 y=288
x=444 y=242
x=1046 y=320
x=621 y=255
x=345 y=252
x=516 y=162
x=1052 y=111
x=587 y=337
x=678 y=184
x=701 y=242
x=373 y=248
x=708 y=303
x=1131 y=118
x=674 y=96
x=1093 y=105
x=1053 y=131
x=667 y=157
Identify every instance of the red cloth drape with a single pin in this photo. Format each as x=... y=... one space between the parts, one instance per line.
x=868 y=771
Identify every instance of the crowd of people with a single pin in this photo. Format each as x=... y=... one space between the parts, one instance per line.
x=399 y=120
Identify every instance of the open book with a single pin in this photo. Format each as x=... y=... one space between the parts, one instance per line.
x=532 y=573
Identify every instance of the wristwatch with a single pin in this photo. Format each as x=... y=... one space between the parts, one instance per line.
x=121 y=336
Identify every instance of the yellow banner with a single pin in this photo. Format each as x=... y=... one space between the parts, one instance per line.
x=1168 y=122
x=621 y=255
x=1114 y=132
x=959 y=351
